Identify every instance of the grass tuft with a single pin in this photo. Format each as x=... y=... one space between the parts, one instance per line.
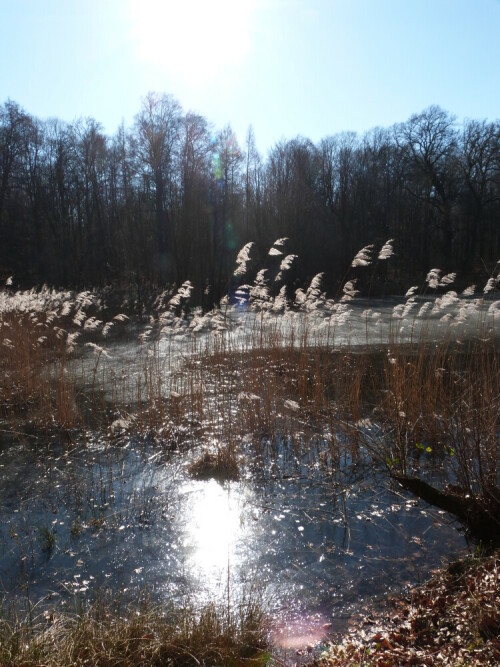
x=145 y=635
x=221 y=465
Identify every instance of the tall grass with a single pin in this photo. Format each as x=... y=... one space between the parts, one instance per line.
x=288 y=365
x=109 y=636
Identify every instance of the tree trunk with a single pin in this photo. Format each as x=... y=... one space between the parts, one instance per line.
x=481 y=516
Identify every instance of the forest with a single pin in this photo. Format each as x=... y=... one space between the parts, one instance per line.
x=170 y=198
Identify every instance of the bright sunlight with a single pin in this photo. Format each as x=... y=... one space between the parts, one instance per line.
x=214 y=529
x=196 y=40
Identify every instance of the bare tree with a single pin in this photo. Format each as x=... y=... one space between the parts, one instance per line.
x=253 y=195
x=227 y=200
x=192 y=229
x=429 y=145
x=480 y=166
x=157 y=129
x=13 y=123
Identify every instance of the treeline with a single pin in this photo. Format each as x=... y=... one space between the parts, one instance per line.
x=171 y=199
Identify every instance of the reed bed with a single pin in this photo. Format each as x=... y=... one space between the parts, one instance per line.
x=421 y=383
x=409 y=391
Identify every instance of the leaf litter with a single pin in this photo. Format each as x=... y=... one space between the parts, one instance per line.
x=452 y=620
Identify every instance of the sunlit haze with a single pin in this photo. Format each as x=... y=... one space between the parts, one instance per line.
x=288 y=67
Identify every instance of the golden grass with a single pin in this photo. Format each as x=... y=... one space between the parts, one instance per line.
x=145 y=635
x=439 y=399
x=34 y=379
x=399 y=404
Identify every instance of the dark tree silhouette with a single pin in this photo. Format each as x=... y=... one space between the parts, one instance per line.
x=171 y=199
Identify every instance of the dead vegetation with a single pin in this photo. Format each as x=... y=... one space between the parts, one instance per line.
x=105 y=636
x=409 y=408
x=221 y=464
x=411 y=403
x=405 y=404
x=452 y=620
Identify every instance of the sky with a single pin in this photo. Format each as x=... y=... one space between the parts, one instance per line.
x=287 y=67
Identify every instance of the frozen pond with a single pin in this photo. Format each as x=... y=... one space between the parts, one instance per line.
x=357 y=325
x=317 y=542
x=129 y=518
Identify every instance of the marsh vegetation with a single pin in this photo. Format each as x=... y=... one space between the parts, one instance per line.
x=256 y=473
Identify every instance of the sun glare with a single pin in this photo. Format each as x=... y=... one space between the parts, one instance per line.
x=195 y=40
x=213 y=529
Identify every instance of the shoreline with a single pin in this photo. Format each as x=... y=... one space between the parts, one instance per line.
x=452 y=619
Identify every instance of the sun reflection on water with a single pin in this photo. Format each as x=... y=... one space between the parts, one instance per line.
x=214 y=527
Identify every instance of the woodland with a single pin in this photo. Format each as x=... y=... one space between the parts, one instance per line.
x=171 y=198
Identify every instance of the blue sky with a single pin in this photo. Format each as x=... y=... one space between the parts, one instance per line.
x=288 y=67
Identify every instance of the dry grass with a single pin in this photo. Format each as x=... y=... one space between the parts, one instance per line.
x=105 y=636
x=438 y=405
x=221 y=464
x=35 y=382
x=411 y=408
x=402 y=404
x=411 y=404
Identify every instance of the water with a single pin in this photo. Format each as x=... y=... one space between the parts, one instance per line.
x=129 y=518
x=77 y=519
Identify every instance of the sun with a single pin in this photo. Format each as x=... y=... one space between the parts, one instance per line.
x=195 y=40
